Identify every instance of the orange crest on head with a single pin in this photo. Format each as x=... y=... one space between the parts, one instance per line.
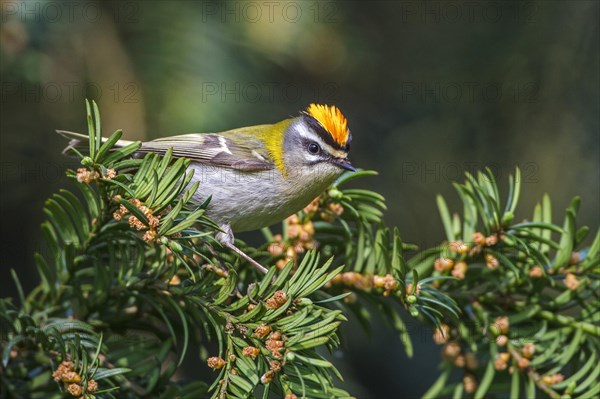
x=332 y=120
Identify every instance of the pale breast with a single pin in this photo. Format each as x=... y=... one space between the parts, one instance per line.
x=252 y=200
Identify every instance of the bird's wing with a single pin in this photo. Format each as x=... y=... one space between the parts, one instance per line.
x=246 y=153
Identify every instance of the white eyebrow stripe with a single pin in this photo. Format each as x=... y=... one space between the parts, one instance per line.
x=327 y=148
x=307 y=133
x=310 y=135
x=339 y=154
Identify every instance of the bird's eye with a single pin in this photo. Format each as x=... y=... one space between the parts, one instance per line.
x=313 y=148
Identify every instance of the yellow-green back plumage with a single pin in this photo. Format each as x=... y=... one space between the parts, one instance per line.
x=250 y=148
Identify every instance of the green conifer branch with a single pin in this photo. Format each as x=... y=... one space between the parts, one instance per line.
x=133 y=278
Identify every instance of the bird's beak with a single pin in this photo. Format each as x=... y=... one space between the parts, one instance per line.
x=344 y=163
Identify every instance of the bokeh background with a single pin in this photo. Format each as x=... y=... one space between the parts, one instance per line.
x=430 y=89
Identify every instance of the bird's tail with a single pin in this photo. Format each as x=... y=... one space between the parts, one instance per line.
x=79 y=141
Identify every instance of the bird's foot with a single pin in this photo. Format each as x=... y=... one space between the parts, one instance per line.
x=226 y=239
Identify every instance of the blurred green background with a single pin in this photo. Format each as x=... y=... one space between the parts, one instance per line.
x=430 y=89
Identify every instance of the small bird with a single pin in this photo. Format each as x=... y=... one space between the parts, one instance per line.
x=259 y=175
